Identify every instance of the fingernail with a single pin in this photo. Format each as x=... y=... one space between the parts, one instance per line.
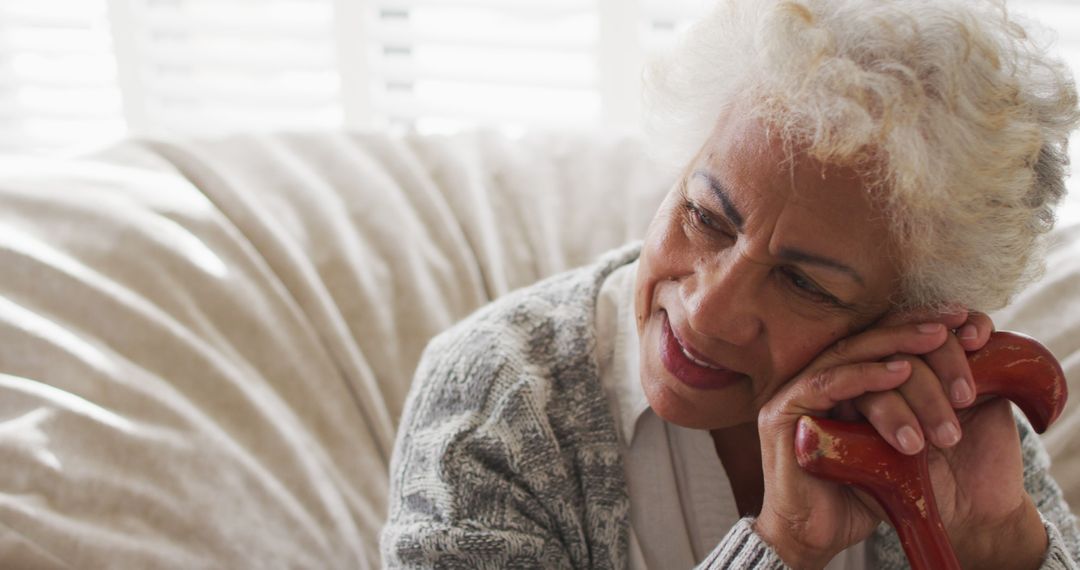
x=967 y=332
x=948 y=434
x=961 y=391
x=909 y=440
x=930 y=328
x=896 y=365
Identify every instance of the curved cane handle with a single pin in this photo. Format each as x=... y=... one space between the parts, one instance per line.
x=1011 y=365
x=1019 y=368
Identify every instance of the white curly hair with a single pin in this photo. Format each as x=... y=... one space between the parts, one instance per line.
x=956 y=116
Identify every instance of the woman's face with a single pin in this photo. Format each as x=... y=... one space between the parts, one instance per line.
x=752 y=266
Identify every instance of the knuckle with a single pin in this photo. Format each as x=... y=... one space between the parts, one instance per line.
x=821 y=382
x=870 y=404
x=884 y=411
x=764 y=416
x=768 y=418
x=876 y=413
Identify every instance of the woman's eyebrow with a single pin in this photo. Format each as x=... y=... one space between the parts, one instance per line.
x=721 y=193
x=790 y=254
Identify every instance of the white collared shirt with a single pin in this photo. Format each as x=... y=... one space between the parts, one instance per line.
x=681 y=503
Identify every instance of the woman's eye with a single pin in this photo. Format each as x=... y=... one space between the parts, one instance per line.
x=703 y=218
x=808 y=288
x=803 y=283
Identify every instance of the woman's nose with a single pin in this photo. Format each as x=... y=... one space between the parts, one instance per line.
x=722 y=300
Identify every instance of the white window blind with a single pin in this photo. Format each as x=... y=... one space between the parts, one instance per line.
x=78 y=72
x=57 y=74
x=445 y=64
x=208 y=66
x=663 y=20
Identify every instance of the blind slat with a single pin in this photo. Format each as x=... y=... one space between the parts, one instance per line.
x=191 y=66
x=257 y=61
x=534 y=41
x=524 y=7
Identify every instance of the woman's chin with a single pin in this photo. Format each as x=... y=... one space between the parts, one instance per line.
x=686 y=407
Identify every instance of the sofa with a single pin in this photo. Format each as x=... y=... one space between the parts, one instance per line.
x=206 y=344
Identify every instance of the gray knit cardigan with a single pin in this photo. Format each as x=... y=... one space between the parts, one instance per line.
x=507 y=454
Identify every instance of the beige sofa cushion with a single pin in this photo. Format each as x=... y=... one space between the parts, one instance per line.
x=205 y=345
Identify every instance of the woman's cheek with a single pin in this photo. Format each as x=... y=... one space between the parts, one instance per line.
x=664 y=255
x=801 y=349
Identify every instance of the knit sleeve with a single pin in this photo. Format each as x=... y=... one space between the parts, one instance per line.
x=458 y=498
x=742 y=548
x=503 y=459
x=1063 y=550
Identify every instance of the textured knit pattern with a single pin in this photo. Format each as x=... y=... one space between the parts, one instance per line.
x=507 y=455
x=742 y=548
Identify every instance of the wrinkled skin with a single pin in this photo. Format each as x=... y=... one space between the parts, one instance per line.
x=783 y=273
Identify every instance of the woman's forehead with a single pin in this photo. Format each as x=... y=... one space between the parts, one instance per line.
x=801 y=204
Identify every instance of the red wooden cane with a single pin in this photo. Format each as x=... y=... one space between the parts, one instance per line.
x=1011 y=366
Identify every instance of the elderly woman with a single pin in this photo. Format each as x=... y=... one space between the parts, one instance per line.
x=862 y=177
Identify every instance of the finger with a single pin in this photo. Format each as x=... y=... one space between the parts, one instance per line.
x=950 y=367
x=880 y=342
x=821 y=391
x=924 y=396
x=893 y=418
x=951 y=317
x=975 y=331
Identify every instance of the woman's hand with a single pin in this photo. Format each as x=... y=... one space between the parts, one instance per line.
x=922 y=408
x=978 y=483
x=807 y=520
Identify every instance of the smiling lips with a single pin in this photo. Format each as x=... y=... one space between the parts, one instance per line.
x=688 y=368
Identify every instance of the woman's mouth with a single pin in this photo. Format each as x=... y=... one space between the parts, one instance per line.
x=689 y=369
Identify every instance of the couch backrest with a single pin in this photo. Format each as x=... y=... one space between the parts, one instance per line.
x=205 y=345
